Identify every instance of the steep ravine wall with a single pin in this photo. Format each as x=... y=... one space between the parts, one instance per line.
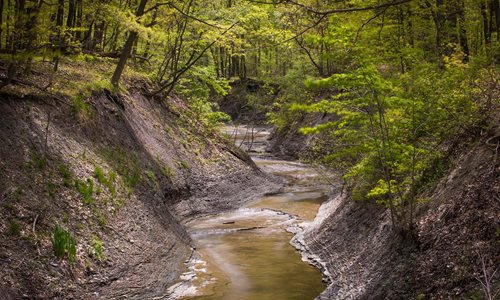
x=149 y=167
x=457 y=228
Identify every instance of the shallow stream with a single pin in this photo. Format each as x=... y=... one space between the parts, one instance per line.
x=246 y=254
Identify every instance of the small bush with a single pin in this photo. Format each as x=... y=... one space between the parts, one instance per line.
x=14 y=227
x=86 y=189
x=111 y=183
x=107 y=181
x=63 y=243
x=85 y=57
x=80 y=108
x=99 y=174
x=98 y=248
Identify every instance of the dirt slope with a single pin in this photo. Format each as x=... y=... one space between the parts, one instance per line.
x=458 y=230
x=123 y=173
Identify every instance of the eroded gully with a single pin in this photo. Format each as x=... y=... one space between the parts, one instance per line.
x=246 y=254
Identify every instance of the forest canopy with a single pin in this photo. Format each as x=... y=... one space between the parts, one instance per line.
x=400 y=77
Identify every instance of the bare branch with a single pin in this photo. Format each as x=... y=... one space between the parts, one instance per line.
x=191 y=61
x=187 y=15
x=368 y=21
x=347 y=10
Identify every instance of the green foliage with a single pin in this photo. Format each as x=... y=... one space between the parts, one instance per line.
x=388 y=129
x=98 y=86
x=126 y=165
x=110 y=183
x=197 y=87
x=167 y=172
x=218 y=117
x=37 y=161
x=152 y=178
x=14 y=228
x=101 y=219
x=183 y=164
x=80 y=107
x=107 y=181
x=51 y=190
x=420 y=297
x=86 y=190
x=400 y=79
x=99 y=175
x=63 y=243
x=66 y=175
x=98 y=248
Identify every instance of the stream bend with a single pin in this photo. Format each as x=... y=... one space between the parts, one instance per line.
x=246 y=254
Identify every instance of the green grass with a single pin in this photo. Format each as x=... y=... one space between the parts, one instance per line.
x=80 y=108
x=63 y=243
x=167 y=172
x=36 y=162
x=101 y=219
x=51 y=190
x=98 y=248
x=86 y=189
x=66 y=175
x=98 y=85
x=15 y=227
x=99 y=174
x=152 y=178
x=183 y=164
x=126 y=164
x=107 y=181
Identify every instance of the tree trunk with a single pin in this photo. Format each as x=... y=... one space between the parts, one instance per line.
x=462 y=30
x=486 y=24
x=87 y=38
x=411 y=34
x=8 y=34
x=78 y=20
x=60 y=13
x=221 y=58
x=18 y=40
x=244 y=67
x=98 y=36
x=127 y=48
x=1 y=22
x=496 y=8
x=216 y=62
x=59 y=37
x=259 y=60
x=439 y=22
x=70 y=22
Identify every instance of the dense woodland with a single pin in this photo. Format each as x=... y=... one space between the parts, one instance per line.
x=110 y=127
x=402 y=77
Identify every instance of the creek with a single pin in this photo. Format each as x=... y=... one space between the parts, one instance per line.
x=246 y=254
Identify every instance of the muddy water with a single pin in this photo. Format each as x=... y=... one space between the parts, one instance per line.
x=246 y=254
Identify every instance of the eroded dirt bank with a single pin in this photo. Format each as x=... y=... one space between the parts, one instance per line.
x=125 y=176
x=456 y=246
